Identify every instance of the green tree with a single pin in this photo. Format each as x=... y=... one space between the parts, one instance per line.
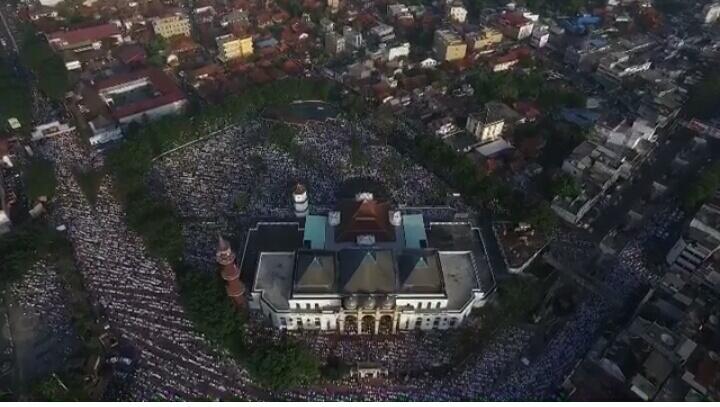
x=701 y=190
x=15 y=98
x=48 y=67
x=284 y=365
x=39 y=178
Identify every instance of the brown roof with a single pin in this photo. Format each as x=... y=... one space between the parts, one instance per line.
x=365 y=218
x=129 y=54
x=168 y=91
x=89 y=34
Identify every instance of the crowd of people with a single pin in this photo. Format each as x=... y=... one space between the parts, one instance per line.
x=223 y=183
x=40 y=322
x=238 y=175
x=137 y=294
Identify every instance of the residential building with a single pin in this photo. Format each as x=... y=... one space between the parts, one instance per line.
x=353 y=38
x=700 y=240
x=383 y=32
x=627 y=134
x=617 y=66
x=457 y=13
x=486 y=126
x=484 y=39
x=334 y=43
x=667 y=352
x=540 y=36
x=171 y=25
x=138 y=95
x=85 y=39
x=448 y=46
x=397 y=51
x=515 y=26
x=396 y=10
x=231 y=47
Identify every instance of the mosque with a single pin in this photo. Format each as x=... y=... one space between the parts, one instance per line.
x=363 y=268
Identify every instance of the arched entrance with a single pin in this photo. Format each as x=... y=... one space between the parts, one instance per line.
x=385 y=324
x=367 y=324
x=350 y=324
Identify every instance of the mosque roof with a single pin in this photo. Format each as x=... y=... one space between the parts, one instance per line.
x=366 y=271
x=315 y=272
x=364 y=217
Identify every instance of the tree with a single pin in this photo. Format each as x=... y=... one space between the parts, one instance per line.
x=704 y=100
x=156 y=51
x=89 y=182
x=565 y=186
x=284 y=365
x=702 y=189
x=39 y=178
x=48 y=67
x=15 y=98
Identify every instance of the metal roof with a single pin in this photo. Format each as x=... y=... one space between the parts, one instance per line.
x=414 y=230
x=314 y=233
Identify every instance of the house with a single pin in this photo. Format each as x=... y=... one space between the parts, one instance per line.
x=85 y=38
x=515 y=25
x=448 y=46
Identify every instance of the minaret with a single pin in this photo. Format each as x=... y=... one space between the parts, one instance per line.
x=300 y=201
x=230 y=273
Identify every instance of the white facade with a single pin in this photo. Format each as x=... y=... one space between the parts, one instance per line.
x=397 y=51
x=483 y=131
x=50 y=130
x=330 y=314
x=50 y=3
x=428 y=63
x=156 y=113
x=300 y=201
x=540 y=37
x=353 y=39
x=371 y=281
x=458 y=14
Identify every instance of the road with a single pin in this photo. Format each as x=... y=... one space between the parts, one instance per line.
x=8 y=33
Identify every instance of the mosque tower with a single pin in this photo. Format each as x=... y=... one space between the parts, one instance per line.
x=300 y=200
x=230 y=273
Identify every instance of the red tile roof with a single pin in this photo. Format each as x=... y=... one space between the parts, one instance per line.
x=168 y=91
x=130 y=54
x=513 y=19
x=90 y=34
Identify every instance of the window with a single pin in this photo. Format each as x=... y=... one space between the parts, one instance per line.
x=317 y=322
x=317 y=306
x=418 y=323
x=307 y=305
x=283 y=322
x=297 y=305
x=437 y=305
x=429 y=305
x=299 y=323
x=419 y=305
x=453 y=321
x=436 y=322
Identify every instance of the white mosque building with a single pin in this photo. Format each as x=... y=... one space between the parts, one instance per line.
x=365 y=268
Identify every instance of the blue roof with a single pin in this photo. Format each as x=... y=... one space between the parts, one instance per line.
x=414 y=230
x=314 y=232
